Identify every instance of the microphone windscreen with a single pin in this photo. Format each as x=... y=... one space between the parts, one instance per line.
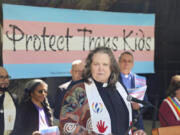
x=129 y=98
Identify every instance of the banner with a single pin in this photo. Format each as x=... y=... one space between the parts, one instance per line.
x=42 y=42
x=53 y=130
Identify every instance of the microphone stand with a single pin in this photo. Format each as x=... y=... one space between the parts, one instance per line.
x=136 y=119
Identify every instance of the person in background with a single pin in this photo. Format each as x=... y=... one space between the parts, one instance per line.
x=131 y=81
x=169 y=111
x=34 y=112
x=76 y=72
x=7 y=104
x=98 y=104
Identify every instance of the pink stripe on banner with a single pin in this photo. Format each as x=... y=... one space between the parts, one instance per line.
x=32 y=57
x=139 y=55
x=31 y=28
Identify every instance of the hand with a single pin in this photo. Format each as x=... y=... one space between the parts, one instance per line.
x=139 y=132
x=135 y=106
x=101 y=127
x=36 y=133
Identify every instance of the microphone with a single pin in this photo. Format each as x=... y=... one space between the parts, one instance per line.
x=136 y=118
x=145 y=103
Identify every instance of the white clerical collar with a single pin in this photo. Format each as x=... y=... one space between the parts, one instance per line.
x=126 y=76
x=104 y=85
x=101 y=84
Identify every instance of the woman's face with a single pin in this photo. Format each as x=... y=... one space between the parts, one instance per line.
x=100 y=67
x=39 y=94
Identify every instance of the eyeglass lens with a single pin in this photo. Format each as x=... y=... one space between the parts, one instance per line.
x=41 y=91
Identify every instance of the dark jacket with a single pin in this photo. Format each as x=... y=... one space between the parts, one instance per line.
x=27 y=120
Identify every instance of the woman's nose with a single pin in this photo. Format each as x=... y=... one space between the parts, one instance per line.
x=100 y=67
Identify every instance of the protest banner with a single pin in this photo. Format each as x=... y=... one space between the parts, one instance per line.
x=42 y=42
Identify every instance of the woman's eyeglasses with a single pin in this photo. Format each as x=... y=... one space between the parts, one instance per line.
x=41 y=91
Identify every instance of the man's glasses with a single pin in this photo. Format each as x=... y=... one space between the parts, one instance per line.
x=5 y=77
x=41 y=91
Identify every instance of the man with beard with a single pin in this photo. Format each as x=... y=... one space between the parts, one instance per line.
x=7 y=105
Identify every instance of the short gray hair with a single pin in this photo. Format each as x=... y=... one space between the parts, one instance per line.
x=126 y=52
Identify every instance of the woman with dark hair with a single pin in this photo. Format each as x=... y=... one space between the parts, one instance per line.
x=170 y=107
x=34 y=112
x=98 y=105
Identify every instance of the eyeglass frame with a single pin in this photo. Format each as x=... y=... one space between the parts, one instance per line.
x=41 y=91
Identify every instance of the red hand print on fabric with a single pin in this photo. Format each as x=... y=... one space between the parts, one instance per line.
x=101 y=126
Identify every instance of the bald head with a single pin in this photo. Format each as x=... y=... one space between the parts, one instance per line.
x=4 y=79
x=77 y=69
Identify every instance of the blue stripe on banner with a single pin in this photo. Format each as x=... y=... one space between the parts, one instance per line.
x=59 y=69
x=38 y=70
x=44 y=14
x=143 y=67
